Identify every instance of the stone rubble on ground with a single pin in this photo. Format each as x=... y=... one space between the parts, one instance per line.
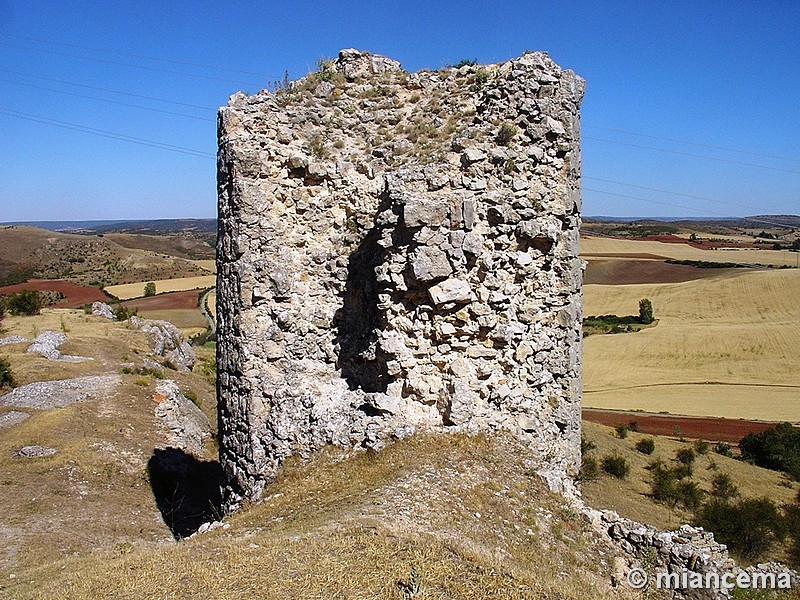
x=62 y=392
x=167 y=342
x=34 y=452
x=399 y=251
x=687 y=549
x=12 y=339
x=101 y=309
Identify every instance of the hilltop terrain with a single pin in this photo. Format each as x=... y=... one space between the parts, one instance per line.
x=27 y=252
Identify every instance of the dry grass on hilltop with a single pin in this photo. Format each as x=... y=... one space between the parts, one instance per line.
x=464 y=514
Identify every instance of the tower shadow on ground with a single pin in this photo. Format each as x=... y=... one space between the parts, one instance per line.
x=186 y=490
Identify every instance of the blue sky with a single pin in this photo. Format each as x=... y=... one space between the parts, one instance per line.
x=714 y=86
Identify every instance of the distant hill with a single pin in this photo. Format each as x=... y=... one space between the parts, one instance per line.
x=749 y=222
x=156 y=226
x=28 y=252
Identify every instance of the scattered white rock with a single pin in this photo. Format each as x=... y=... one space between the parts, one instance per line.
x=34 y=452
x=60 y=393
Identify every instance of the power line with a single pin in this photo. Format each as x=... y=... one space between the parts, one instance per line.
x=724 y=160
x=705 y=212
x=104 y=133
x=142 y=56
x=650 y=189
x=124 y=64
x=691 y=143
x=110 y=91
x=139 y=106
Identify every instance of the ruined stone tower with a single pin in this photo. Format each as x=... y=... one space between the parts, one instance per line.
x=398 y=252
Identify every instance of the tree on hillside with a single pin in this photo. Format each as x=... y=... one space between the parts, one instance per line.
x=26 y=302
x=6 y=375
x=645 y=311
x=150 y=289
x=796 y=244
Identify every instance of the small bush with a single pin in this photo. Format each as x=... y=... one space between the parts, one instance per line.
x=465 y=63
x=723 y=449
x=622 y=431
x=701 y=447
x=589 y=469
x=663 y=486
x=689 y=495
x=26 y=302
x=149 y=289
x=507 y=133
x=646 y=446
x=616 y=466
x=749 y=528
x=123 y=313
x=586 y=445
x=481 y=77
x=685 y=456
x=723 y=488
x=633 y=426
x=6 y=374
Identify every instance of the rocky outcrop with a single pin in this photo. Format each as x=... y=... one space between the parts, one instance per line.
x=168 y=342
x=46 y=344
x=101 y=309
x=398 y=252
x=61 y=393
x=185 y=423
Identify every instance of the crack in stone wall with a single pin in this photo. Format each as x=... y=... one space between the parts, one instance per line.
x=398 y=252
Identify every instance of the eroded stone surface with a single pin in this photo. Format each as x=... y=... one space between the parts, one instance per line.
x=62 y=392
x=399 y=252
x=168 y=341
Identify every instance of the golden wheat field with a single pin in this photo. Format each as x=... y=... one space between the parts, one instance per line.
x=724 y=346
x=211 y=302
x=136 y=290
x=592 y=245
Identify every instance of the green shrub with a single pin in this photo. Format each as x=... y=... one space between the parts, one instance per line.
x=689 y=495
x=26 y=302
x=645 y=311
x=663 y=487
x=723 y=449
x=6 y=374
x=701 y=447
x=589 y=469
x=749 y=528
x=685 y=456
x=646 y=446
x=465 y=63
x=149 y=289
x=480 y=79
x=622 y=431
x=586 y=445
x=616 y=466
x=507 y=133
x=723 y=488
x=776 y=448
x=123 y=313
x=633 y=426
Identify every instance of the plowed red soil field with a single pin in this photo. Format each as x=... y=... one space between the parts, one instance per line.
x=705 y=428
x=172 y=300
x=622 y=272
x=76 y=295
